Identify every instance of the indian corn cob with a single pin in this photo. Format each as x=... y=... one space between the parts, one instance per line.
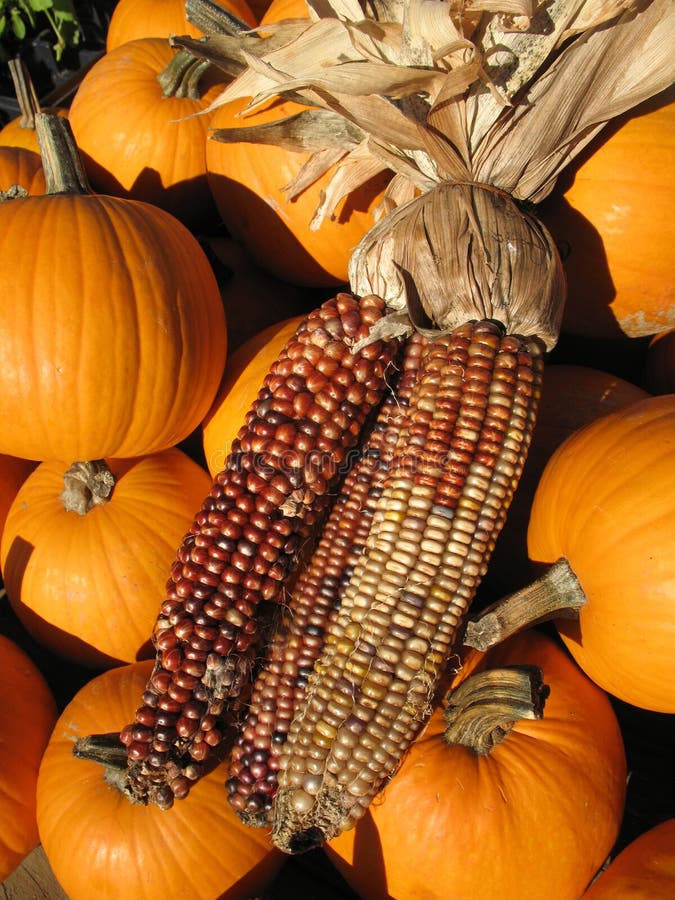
x=454 y=470
x=245 y=541
x=312 y=603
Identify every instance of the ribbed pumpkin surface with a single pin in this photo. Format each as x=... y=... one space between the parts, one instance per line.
x=112 y=332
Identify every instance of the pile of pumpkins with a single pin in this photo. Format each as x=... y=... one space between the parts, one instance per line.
x=139 y=312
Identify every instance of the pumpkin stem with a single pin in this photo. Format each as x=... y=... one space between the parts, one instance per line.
x=86 y=485
x=211 y=18
x=556 y=594
x=25 y=92
x=482 y=711
x=181 y=77
x=61 y=160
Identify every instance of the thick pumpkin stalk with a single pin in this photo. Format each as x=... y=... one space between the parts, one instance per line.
x=312 y=605
x=456 y=465
x=245 y=542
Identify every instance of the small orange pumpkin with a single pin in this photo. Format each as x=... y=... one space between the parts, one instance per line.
x=101 y=845
x=133 y=19
x=244 y=374
x=112 y=332
x=27 y=716
x=88 y=583
x=19 y=166
x=615 y=223
x=606 y=502
x=141 y=139
x=534 y=818
x=643 y=869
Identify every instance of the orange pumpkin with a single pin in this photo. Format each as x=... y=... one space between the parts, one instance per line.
x=658 y=374
x=112 y=332
x=133 y=19
x=13 y=473
x=606 y=502
x=89 y=585
x=615 y=223
x=141 y=140
x=244 y=374
x=571 y=397
x=643 y=869
x=534 y=818
x=27 y=716
x=247 y=179
x=101 y=845
x=19 y=166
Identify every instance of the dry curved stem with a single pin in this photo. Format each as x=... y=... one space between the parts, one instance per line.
x=87 y=485
x=24 y=89
x=554 y=595
x=482 y=711
x=61 y=160
x=182 y=76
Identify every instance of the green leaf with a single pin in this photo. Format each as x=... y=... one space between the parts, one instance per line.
x=18 y=24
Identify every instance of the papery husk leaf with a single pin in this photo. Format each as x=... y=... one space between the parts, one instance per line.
x=462 y=252
x=357 y=168
x=601 y=74
x=314 y=168
x=305 y=131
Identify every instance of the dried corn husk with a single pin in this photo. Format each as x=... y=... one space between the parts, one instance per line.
x=503 y=93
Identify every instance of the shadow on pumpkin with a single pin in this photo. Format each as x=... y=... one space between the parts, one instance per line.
x=190 y=201
x=256 y=880
x=271 y=244
x=61 y=643
x=367 y=857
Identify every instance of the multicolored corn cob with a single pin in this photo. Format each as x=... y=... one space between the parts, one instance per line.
x=246 y=540
x=455 y=468
x=312 y=604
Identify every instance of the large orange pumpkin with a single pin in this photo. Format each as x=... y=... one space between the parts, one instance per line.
x=19 y=166
x=142 y=140
x=101 y=845
x=27 y=715
x=112 y=332
x=615 y=223
x=88 y=585
x=534 y=818
x=133 y=19
x=246 y=181
x=571 y=397
x=244 y=374
x=644 y=869
x=606 y=502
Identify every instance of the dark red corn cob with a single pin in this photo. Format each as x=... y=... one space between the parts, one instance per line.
x=311 y=604
x=245 y=542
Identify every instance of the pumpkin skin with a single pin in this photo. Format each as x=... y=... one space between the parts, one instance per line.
x=13 y=473
x=26 y=722
x=138 y=143
x=246 y=181
x=606 y=502
x=571 y=397
x=658 y=374
x=113 y=336
x=244 y=375
x=615 y=219
x=23 y=167
x=89 y=586
x=643 y=869
x=535 y=818
x=133 y=19
x=100 y=845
